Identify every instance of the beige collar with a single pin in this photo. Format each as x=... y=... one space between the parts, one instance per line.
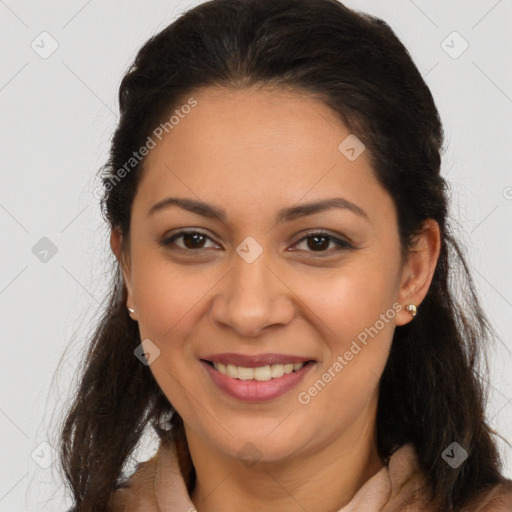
x=158 y=486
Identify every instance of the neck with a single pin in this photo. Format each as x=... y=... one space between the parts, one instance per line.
x=311 y=480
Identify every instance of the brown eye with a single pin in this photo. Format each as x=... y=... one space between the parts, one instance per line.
x=192 y=240
x=316 y=242
x=319 y=242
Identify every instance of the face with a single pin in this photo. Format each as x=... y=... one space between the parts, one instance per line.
x=269 y=283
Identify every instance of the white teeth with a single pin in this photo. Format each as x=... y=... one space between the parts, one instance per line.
x=232 y=371
x=244 y=373
x=277 y=370
x=288 y=368
x=262 y=373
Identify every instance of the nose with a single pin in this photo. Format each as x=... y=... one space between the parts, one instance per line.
x=252 y=298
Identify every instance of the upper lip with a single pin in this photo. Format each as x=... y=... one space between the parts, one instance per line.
x=255 y=361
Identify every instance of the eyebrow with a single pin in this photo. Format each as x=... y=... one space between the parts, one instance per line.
x=283 y=215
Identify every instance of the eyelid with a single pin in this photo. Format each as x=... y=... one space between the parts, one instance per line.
x=168 y=239
x=342 y=242
x=327 y=233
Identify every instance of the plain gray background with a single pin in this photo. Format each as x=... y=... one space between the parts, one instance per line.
x=58 y=114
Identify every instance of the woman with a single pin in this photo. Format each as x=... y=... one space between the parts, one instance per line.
x=281 y=312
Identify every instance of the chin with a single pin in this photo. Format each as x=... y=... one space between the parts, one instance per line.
x=252 y=447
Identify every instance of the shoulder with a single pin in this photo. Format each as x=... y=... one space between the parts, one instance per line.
x=136 y=493
x=496 y=499
x=410 y=489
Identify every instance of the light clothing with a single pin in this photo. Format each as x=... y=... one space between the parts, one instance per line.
x=158 y=486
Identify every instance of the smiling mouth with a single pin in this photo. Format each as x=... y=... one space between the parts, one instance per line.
x=260 y=373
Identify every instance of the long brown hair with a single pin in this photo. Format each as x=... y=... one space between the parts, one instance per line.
x=431 y=391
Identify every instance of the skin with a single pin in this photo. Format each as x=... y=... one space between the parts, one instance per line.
x=253 y=152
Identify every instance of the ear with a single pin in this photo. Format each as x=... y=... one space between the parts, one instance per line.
x=116 y=246
x=419 y=269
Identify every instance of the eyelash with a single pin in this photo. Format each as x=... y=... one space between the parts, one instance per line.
x=341 y=245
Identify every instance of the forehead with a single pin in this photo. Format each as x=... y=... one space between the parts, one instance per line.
x=271 y=147
x=270 y=124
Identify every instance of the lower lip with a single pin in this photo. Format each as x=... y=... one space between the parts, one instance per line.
x=255 y=390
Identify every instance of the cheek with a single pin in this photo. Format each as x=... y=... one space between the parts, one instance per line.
x=351 y=298
x=356 y=309
x=168 y=296
x=357 y=350
x=168 y=300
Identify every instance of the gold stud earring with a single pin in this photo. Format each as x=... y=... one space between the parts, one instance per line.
x=412 y=309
